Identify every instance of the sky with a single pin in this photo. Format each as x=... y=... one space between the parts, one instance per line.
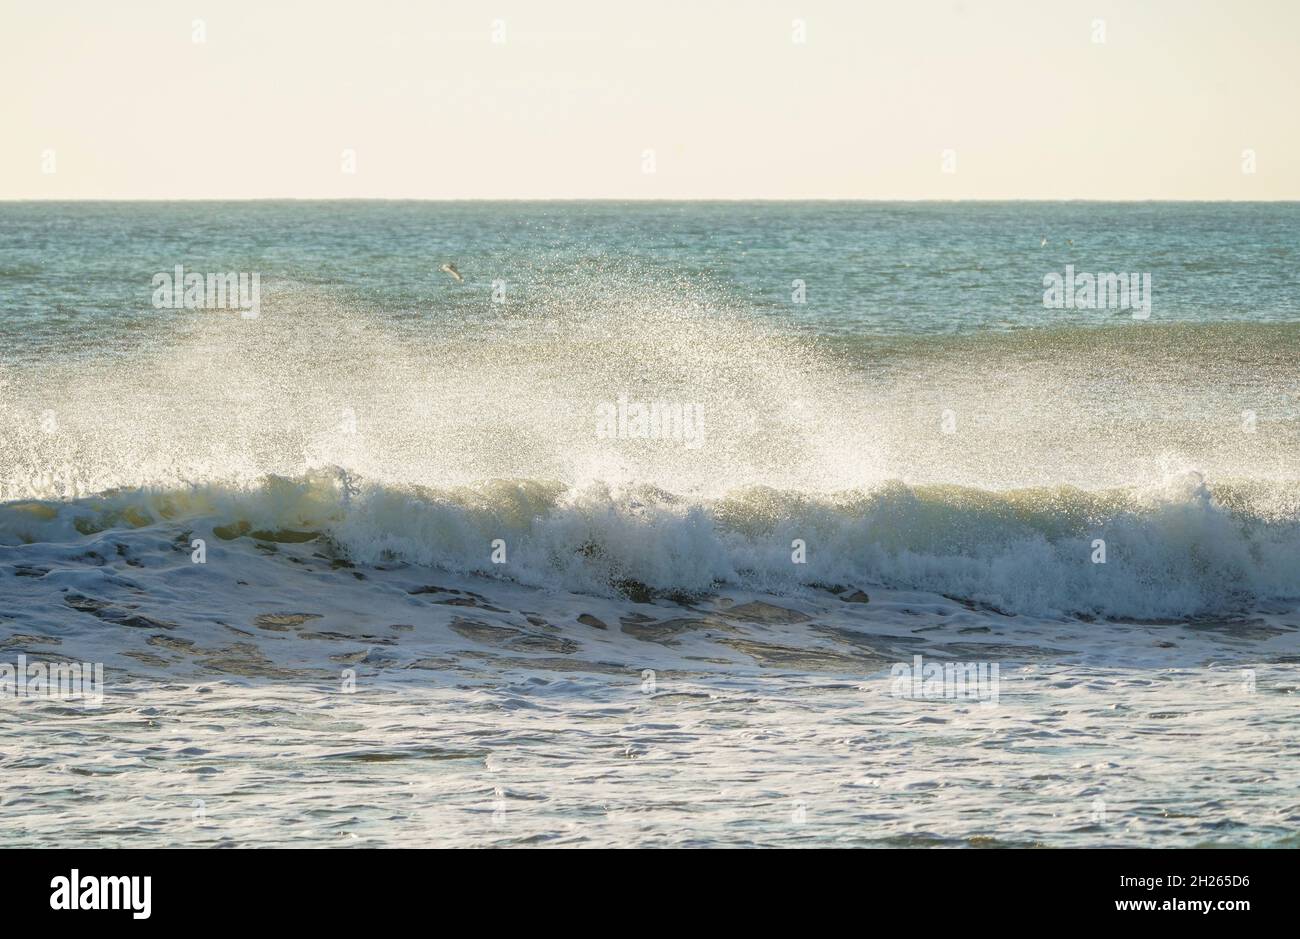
x=570 y=99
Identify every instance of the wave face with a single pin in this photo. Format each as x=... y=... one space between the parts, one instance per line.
x=1175 y=550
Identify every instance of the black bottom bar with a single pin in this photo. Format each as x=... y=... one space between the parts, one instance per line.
x=345 y=888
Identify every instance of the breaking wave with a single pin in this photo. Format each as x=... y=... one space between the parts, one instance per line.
x=990 y=468
x=1175 y=550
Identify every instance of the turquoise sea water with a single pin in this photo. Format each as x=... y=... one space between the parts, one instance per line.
x=72 y=273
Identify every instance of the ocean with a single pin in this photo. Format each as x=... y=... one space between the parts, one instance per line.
x=824 y=523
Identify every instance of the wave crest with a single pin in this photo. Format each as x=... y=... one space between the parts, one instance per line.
x=1180 y=548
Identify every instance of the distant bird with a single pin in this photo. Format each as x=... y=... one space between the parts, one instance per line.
x=1043 y=243
x=450 y=268
x=1070 y=242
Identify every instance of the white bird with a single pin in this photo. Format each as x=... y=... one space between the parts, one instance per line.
x=450 y=268
x=1043 y=243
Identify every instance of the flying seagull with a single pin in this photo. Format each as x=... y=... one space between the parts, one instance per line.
x=450 y=268
x=1043 y=243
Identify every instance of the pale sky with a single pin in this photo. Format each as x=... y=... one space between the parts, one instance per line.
x=117 y=100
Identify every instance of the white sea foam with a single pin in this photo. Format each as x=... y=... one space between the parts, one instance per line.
x=1178 y=549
